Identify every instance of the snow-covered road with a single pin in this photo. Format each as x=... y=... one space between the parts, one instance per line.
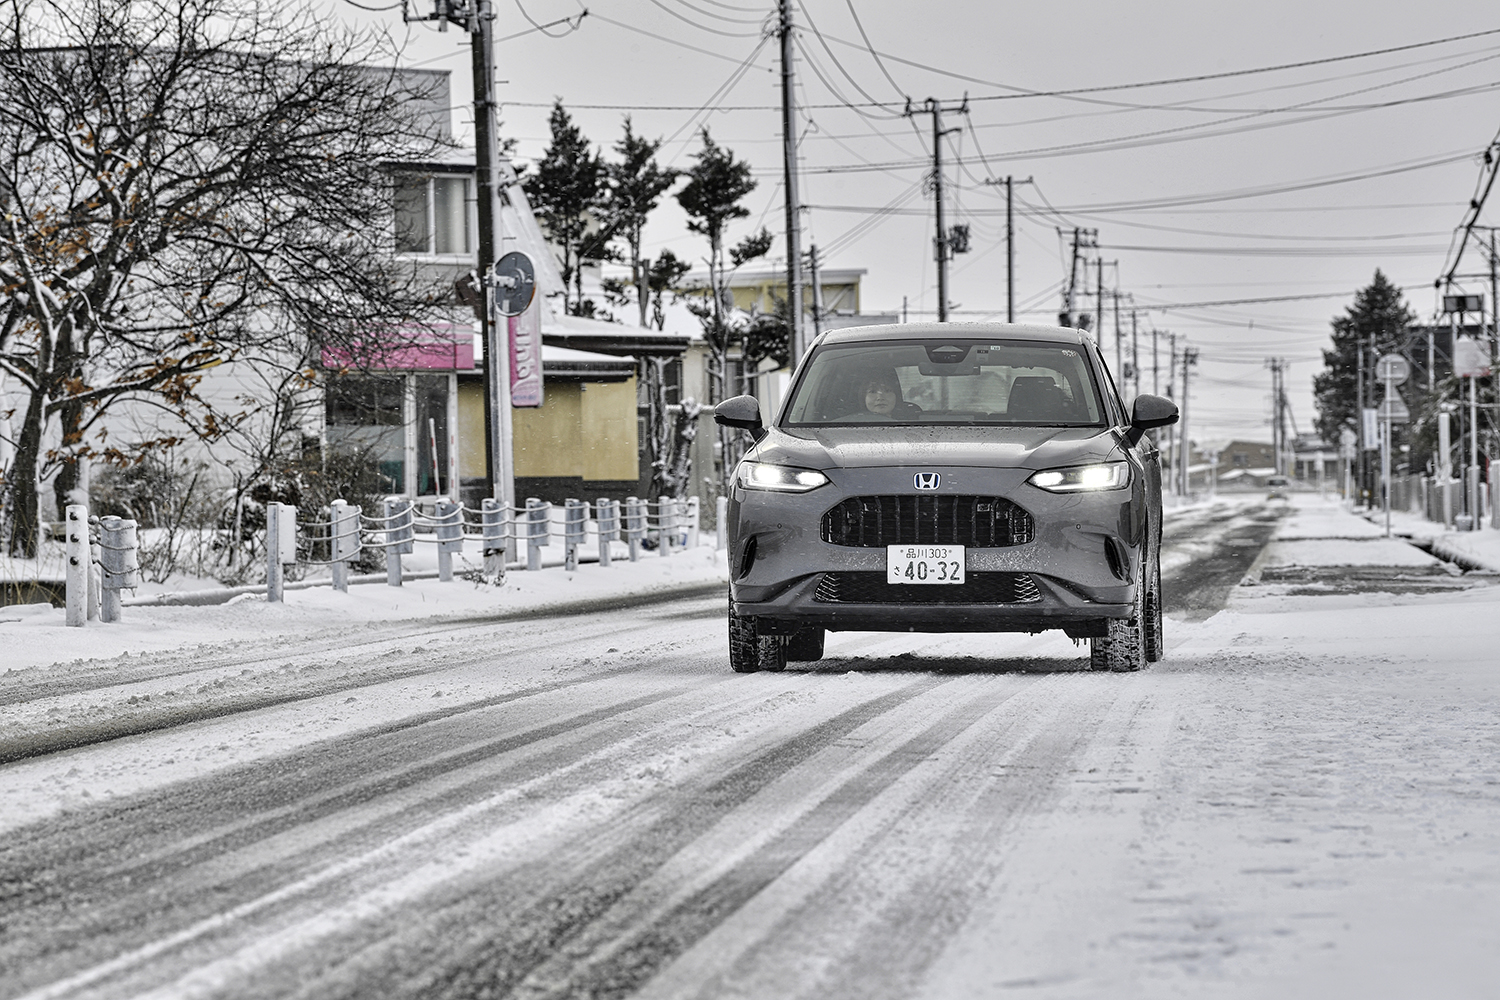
x=1300 y=801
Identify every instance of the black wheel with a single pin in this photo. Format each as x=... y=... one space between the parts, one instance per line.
x=806 y=645
x=1124 y=648
x=1155 y=647
x=743 y=656
x=748 y=650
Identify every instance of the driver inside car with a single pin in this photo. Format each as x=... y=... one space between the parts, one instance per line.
x=882 y=397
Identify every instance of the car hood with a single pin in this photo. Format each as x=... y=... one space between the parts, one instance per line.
x=981 y=447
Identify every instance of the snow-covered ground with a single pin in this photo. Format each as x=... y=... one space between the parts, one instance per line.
x=34 y=634
x=1301 y=800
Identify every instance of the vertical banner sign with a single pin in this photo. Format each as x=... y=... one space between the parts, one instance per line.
x=526 y=357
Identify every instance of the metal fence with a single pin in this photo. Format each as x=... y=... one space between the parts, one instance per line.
x=103 y=553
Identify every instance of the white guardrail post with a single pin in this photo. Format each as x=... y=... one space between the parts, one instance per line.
x=76 y=528
x=119 y=563
x=400 y=535
x=633 y=527
x=607 y=517
x=281 y=547
x=449 y=531
x=694 y=523
x=575 y=513
x=345 y=546
x=665 y=526
x=721 y=523
x=495 y=525
x=537 y=532
x=95 y=569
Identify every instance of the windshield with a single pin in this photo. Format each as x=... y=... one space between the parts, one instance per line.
x=946 y=382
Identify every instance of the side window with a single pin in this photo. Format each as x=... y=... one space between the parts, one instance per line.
x=432 y=214
x=1111 y=394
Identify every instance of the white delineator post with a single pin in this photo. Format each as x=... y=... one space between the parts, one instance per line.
x=607 y=517
x=633 y=527
x=345 y=547
x=450 y=536
x=537 y=514
x=76 y=528
x=400 y=536
x=118 y=561
x=281 y=547
x=721 y=523
x=665 y=508
x=496 y=520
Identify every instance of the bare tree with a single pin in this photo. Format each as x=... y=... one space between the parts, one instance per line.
x=185 y=183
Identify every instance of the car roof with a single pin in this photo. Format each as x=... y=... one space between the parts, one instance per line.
x=957 y=331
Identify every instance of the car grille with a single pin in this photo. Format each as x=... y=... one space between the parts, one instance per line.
x=978 y=588
x=981 y=522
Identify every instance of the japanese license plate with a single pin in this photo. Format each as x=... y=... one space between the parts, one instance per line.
x=924 y=564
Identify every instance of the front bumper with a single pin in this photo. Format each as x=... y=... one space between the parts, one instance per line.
x=1075 y=573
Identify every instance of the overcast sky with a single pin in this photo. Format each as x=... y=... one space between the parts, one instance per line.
x=1418 y=119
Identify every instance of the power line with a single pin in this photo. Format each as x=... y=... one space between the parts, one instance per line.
x=659 y=38
x=1021 y=92
x=703 y=27
x=725 y=17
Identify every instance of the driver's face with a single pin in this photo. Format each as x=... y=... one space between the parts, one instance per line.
x=880 y=398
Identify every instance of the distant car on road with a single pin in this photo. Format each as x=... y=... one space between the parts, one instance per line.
x=947 y=478
x=1279 y=487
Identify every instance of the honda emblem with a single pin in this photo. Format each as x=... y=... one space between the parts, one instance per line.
x=926 y=480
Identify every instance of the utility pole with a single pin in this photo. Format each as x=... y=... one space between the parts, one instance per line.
x=1010 y=242
x=477 y=18
x=1010 y=252
x=1135 y=353
x=1359 y=404
x=942 y=242
x=1172 y=430
x=1099 y=308
x=1155 y=365
x=817 y=291
x=793 y=206
x=1279 y=448
x=1083 y=239
x=1189 y=359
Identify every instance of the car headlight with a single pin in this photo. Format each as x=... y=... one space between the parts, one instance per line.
x=1083 y=478
x=782 y=478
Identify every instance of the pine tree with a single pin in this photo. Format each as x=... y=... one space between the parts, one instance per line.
x=564 y=191
x=1380 y=321
x=717 y=183
x=635 y=186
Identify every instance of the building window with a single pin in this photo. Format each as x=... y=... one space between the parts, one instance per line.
x=432 y=215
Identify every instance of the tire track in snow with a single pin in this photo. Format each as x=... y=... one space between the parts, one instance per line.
x=125 y=717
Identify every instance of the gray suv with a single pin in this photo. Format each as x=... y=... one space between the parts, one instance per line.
x=947 y=478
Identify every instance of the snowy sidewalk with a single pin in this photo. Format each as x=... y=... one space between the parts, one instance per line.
x=34 y=634
x=1479 y=548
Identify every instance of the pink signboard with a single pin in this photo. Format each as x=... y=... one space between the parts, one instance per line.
x=430 y=347
x=526 y=356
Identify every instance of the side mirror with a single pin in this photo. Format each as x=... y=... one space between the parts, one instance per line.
x=1150 y=411
x=742 y=412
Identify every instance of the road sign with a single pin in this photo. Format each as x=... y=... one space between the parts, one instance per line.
x=514 y=283
x=1463 y=303
x=1392 y=368
x=1469 y=359
x=1394 y=409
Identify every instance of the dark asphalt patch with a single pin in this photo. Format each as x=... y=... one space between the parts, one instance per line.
x=1201 y=588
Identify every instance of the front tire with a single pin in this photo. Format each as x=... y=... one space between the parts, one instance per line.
x=1123 y=650
x=1155 y=645
x=750 y=651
